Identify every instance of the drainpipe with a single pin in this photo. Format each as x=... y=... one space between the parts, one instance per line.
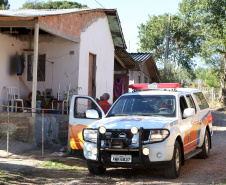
x=35 y=68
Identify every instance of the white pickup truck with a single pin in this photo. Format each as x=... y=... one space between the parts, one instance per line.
x=158 y=128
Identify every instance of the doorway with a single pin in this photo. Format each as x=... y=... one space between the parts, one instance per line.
x=92 y=76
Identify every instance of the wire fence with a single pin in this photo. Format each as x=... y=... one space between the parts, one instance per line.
x=213 y=97
x=24 y=134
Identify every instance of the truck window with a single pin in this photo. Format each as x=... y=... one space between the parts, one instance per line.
x=201 y=100
x=144 y=105
x=82 y=105
x=183 y=105
x=191 y=101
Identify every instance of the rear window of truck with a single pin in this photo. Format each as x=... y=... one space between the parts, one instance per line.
x=201 y=101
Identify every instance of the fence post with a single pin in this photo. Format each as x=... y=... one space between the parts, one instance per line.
x=7 y=147
x=42 y=132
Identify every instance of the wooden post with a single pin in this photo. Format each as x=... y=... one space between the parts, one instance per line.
x=35 y=68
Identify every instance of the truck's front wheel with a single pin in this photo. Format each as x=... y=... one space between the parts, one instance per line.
x=94 y=169
x=173 y=171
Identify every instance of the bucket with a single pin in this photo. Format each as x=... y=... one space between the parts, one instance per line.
x=38 y=105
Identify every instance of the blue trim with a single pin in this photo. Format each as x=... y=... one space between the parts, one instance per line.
x=200 y=126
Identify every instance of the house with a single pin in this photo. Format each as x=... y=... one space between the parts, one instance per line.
x=41 y=48
x=75 y=46
x=147 y=72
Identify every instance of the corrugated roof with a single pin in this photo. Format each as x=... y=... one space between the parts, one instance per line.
x=40 y=12
x=140 y=57
x=112 y=15
x=126 y=59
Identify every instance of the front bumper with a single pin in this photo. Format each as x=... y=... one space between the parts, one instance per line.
x=160 y=154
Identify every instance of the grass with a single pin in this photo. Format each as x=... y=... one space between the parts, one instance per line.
x=63 y=165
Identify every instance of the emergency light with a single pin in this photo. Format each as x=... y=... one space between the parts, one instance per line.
x=155 y=86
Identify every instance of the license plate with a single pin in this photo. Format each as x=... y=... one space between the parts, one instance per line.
x=121 y=158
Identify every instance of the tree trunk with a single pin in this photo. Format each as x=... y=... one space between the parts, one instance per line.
x=223 y=85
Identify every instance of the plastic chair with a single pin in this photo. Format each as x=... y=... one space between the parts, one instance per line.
x=63 y=96
x=13 y=96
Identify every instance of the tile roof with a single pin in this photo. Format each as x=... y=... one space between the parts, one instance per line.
x=140 y=57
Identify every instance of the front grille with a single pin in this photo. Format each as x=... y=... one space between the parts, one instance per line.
x=122 y=134
x=121 y=138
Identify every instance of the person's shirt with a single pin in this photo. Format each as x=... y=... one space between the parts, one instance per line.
x=104 y=105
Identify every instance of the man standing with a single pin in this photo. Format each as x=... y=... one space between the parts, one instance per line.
x=104 y=102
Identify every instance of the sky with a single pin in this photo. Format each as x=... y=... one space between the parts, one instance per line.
x=131 y=13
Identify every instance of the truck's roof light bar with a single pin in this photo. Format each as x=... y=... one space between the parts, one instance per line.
x=155 y=86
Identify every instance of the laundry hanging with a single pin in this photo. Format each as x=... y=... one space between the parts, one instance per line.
x=119 y=87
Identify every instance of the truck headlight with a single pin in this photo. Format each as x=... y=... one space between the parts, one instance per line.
x=90 y=135
x=158 y=135
x=134 y=130
x=102 y=130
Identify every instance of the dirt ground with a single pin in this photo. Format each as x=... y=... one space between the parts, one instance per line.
x=73 y=170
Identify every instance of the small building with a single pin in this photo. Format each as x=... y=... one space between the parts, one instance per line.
x=147 y=72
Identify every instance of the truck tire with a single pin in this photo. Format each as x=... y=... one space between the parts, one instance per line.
x=173 y=171
x=205 y=147
x=94 y=169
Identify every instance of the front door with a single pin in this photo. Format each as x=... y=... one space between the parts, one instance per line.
x=78 y=120
x=92 y=76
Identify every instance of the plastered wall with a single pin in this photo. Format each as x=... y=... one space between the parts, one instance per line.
x=98 y=42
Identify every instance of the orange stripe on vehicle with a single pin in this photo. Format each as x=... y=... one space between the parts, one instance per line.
x=191 y=135
x=76 y=136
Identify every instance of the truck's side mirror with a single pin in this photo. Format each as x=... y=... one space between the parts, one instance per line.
x=188 y=112
x=92 y=114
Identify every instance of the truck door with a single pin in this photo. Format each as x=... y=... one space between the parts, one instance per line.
x=78 y=118
x=195 y=121
x=189 y=139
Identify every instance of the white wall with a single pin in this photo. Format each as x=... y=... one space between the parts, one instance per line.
x=97 y=40
x=133 y=78
x=64 y=68
x=61 y=67
x=9 y=46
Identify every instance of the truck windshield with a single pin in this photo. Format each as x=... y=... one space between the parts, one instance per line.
x=144 y=105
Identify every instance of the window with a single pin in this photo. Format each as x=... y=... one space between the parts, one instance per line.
x=139 y=78
x=145 y=79
x=201 y=100
x=183 y=105
x=82 y=105
x=41 y=67
x=144 y=105
x=191 y=101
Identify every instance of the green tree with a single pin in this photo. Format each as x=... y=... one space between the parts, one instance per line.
x=153 y=39
x=4 y=5
x=208 y=76
x=36 y=4
x=198 y=30
x=208 y=17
